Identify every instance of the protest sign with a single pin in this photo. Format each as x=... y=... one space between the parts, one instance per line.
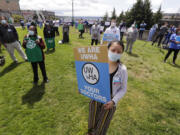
x=92 y=70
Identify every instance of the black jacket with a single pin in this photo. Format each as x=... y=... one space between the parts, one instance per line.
x=8 y=34
x=163 y=30
x=66 y=29
x=49 y=32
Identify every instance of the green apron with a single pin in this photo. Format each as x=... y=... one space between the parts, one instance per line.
x=50 y=42
x=33 y=51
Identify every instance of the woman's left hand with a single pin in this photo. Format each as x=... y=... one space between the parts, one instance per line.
x=108 y=105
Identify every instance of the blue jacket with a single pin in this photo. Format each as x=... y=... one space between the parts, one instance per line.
x=173 y=45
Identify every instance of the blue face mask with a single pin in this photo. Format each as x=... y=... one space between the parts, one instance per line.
x=3 y=21
x=31 y=33
x=113 y=56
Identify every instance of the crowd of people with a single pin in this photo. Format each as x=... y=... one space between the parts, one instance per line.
x=100 y=115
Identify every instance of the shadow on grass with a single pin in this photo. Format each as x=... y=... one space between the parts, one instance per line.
x=176 y=66
x=50 y=51
x=132 y=54
x=34 y=95
x=10 y=68
x=161 y=50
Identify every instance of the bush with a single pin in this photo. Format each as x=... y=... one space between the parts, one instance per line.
x=17 y=18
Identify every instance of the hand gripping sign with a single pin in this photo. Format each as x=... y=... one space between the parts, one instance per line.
x=92 y=70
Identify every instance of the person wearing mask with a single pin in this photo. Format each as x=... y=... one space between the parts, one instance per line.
x=86 y=24
x=65 y=33
x=100 y=115
x=171 y=31
x=95 y=34
x=174 y=46
x=22 y=24
x=114 y=30
x=34 y=46
x=9 y=38
x=152 y=32
x=142 y=29
x=132 y=34
x=49 y=35
x=56 y=27
x=122 y=28
x=81 y=29
x=162 y=32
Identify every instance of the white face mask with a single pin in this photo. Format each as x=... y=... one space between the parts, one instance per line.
x=31 y=33
x=113 y=56
x=113 y=24
x=3 y=21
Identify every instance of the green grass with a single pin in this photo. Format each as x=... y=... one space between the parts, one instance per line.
x=151 y=105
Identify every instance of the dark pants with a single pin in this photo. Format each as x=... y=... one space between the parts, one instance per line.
x=94 y=40
x=141 y=34
x=65 y=37
x=166 y=40
x=159 y=37
x=56 y=30
x=35 y=70
x=176 y=51
x=122 y=34
x=81 y=33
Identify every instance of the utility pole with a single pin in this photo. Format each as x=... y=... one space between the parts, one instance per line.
x=72 y=12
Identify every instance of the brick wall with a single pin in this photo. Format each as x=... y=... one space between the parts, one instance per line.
x=9 y=5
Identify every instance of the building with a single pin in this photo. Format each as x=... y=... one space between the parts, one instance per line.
x=171 y=18
x=9 y=5
x=28 y=14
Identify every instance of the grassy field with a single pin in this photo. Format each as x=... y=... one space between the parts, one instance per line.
x=151 y=105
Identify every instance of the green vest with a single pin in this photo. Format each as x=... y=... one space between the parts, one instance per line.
x=80 y=27
x=33 y=51
x=50 y=42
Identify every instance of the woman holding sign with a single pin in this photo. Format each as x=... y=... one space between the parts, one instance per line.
x=100 y=115
x=34 y=46
x=174 y=46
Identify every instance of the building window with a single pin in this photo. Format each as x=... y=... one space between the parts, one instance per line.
x=7 y=1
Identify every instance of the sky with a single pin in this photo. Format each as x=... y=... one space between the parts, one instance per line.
x=94 y=7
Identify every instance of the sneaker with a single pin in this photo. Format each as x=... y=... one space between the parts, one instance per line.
x=15 y=62
x=35 y=82
x=46 y=81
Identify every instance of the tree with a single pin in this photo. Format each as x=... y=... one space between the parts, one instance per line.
x=148 y=14
x=141 y=11
x=17 y=18
x=136 y=13
x=120 y=17
x=157 y=16
x=114 y=14
x=105 y=18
